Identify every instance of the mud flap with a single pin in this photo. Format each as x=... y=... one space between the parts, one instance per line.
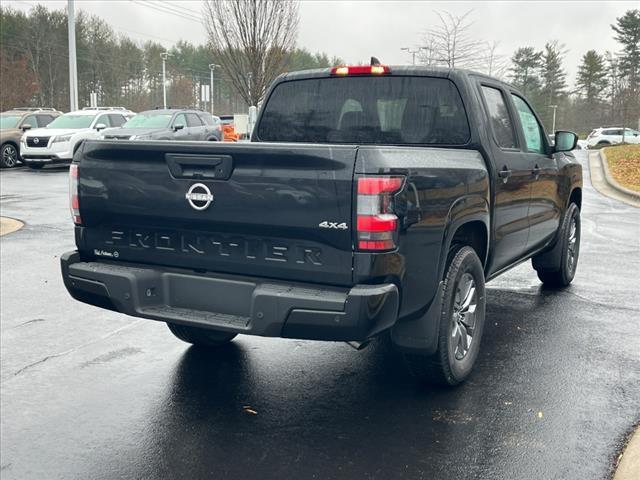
x=420 y=335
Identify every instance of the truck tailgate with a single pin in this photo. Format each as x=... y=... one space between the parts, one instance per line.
x=256 y=211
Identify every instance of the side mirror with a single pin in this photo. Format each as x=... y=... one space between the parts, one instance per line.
x=178 y=126
x=26 y=127
x=100 y=126
x=565 y=141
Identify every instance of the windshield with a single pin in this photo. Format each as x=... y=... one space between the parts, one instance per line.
x=149 y=120
x=9 y=121
x=392 y=110
x=72 y=121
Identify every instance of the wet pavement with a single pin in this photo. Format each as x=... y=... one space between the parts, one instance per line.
x=87 y=393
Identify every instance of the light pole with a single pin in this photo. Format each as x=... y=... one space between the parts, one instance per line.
x=250 y=76
x=164 y=56
x=73 y=65
x=412 y=52
x=553 y=123
x=212 y=66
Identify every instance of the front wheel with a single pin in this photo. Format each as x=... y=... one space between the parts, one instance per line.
x=202 y=337
x=461 y=322
x=557 y=267
x=8 y=156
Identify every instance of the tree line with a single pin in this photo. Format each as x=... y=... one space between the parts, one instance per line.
x=254 y=41
x=123 y=72
x=606 y=90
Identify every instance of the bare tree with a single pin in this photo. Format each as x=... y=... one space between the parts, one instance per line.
x=494 y=63
x=450 y=44
x=250 y=40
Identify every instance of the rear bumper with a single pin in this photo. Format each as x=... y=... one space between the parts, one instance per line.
x=245 y=305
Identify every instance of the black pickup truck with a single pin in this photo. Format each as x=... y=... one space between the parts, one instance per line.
x=371 y=199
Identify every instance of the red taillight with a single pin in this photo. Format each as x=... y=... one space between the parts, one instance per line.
x=74 y=199
x=361 y=70
x=376 y=223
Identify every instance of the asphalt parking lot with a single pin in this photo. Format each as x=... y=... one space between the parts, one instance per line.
x=87 y=393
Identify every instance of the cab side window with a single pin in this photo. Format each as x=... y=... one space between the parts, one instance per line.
x=532 y=131
x=180 y=120
x=103 y=119
x=44 y=120
x=116 y=120
x=193 y=120
x=31 y=120
x=499 y=117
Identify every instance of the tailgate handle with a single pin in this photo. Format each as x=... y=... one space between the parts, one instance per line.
x=208 y=167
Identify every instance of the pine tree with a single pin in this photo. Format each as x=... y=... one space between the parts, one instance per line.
x=592 y=77
x=524 y=73
x=627 y=28
x=554 y=78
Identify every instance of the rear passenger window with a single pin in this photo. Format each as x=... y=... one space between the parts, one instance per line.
x=499 y=117
x=532 y=130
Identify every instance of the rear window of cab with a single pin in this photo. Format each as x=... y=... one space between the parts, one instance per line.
x=393 y=110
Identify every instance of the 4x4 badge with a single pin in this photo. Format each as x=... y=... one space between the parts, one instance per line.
x=199 y=196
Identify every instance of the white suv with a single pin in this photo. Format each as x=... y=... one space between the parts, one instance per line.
x=57 y=142
x=604 y=136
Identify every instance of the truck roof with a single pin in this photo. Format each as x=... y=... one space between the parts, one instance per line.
x=413 y=70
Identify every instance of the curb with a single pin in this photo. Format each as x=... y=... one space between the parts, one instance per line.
x=9 y=225
x=612 y=181
x=629 y=466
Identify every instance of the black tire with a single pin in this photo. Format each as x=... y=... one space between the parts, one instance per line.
x=602 y=144
x=557 y=267
x=451 y=364
x=35 y=166
x=9 y=155
x=202 y=337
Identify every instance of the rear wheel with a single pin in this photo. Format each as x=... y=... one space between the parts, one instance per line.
x=461 y=322
x=8 y=155
x=557 y=267
x=201 y=337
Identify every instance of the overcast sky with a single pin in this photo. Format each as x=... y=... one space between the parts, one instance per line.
x=358 y=29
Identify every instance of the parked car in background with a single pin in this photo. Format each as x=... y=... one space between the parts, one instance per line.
x=228 y=129
x=165 y=124
x=603 y=136
x=58 y=141
x=14 y=123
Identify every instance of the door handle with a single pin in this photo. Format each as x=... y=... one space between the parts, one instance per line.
x=504 y=174
x=536 y=171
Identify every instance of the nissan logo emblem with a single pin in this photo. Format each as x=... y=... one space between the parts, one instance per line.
x=36 y=140
x=199 y=196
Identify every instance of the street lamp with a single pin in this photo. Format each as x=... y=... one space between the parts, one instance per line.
x=164 y=56
x=212 y=66
x=412 y=52
x=553 y=123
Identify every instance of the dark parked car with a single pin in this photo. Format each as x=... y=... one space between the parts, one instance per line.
x=13 y=124
x=169 y=124
x=371 y=199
